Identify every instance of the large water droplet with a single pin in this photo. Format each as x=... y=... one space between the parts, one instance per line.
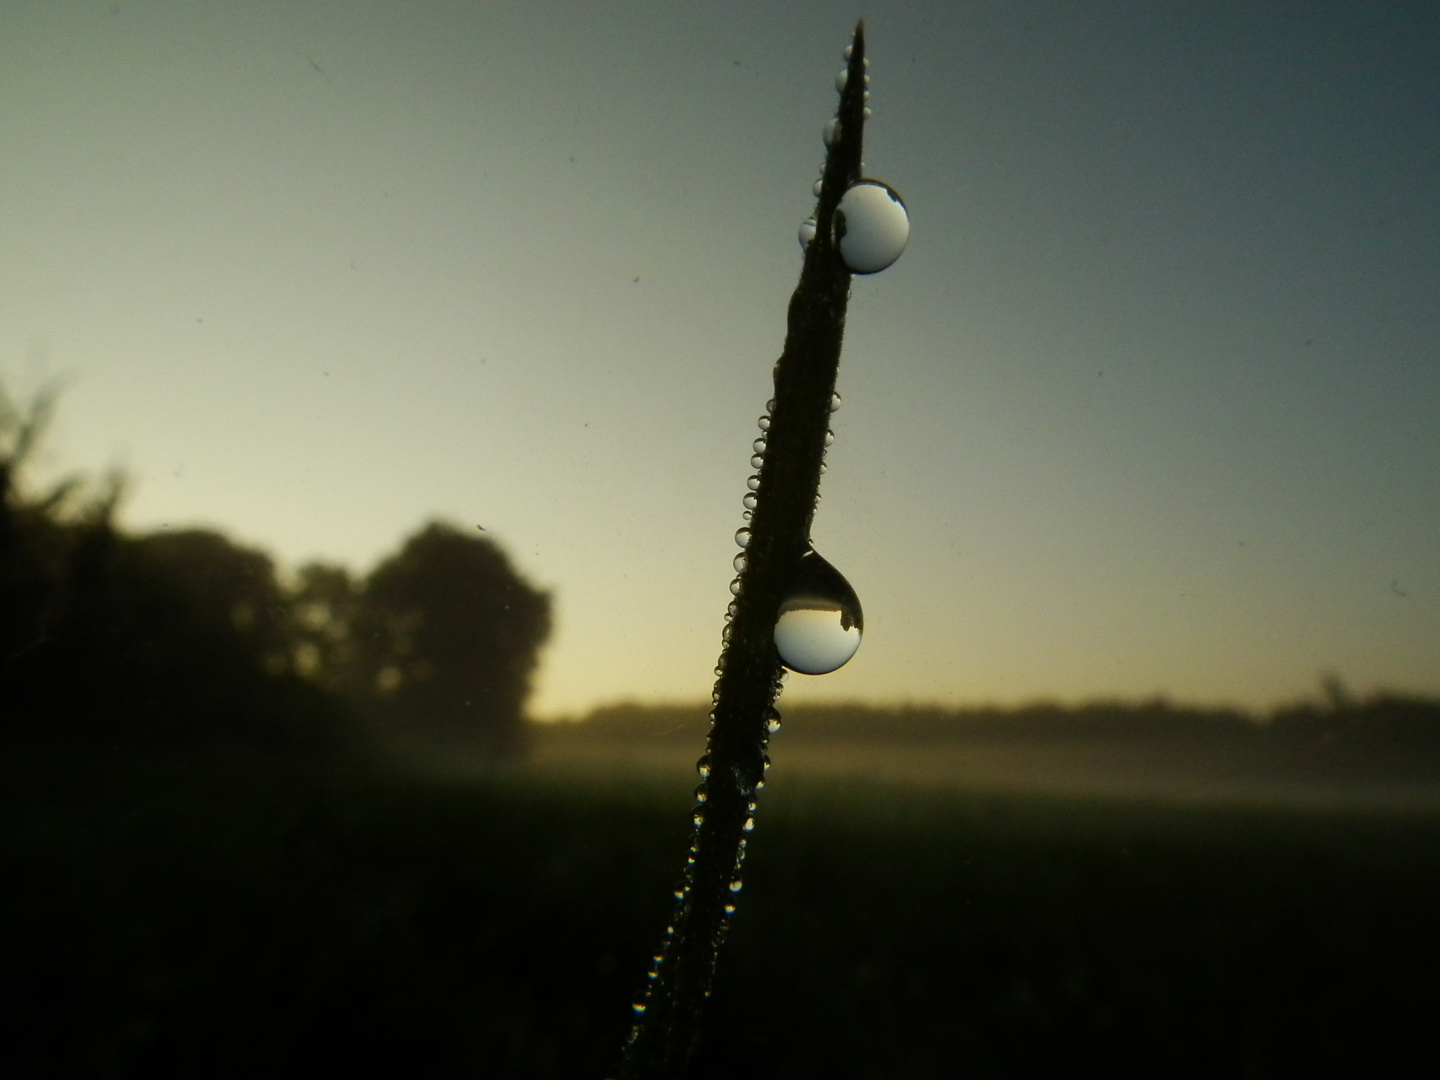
x=753 y=483
x=742 y=537
x=875 y=224
x=820 y=621
x=750 y=501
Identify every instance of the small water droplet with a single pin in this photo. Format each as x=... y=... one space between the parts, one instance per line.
x=699 y=819
x=834 y=402
x=875 y=224
x=679 y=894
x=731 y=608
x=750 y=501
x=773 y=724
x=750 y=806
x=770 y=406
x=639 y=1008
x=817 y=187
x=753 y=483
x=757 y=461
x=701 y=795
x=759 y=445
x=742 y=537
x=829 y=436
x=739 y=563
x=735 y=586
x=865 y=112
x=849 y=51
x=841 y=79
x=749 y=824
x=807 y=232
x=703 y=767
x=831 y=134
x=729 y=909
x=764 y=422
x=820 y=621
x=823 y=467
x=736 y=885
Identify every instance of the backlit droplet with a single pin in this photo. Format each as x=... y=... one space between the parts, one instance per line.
x=736 y=885
x=749 y=825
x=753 y=483
x=739 y=563
x=807 y=232
x=866 y=112
x=703 y=767
x=758 y=445
x=846 y=54
x=841 y=79
x=829 y=436
x=729 y=910
x=699 y=819
x=757 y=461
x=817 y=187
x=820 y=621
x=872 y=226
x=834 y=402
x=770 y=406
x=831 y=134
x=750 y=501
x=735 y=586
x=764 y=422
x=742 y=537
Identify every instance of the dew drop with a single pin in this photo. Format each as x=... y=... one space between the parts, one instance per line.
x=639 y=1008
x=750 y=501
x=831 y=134
x=759 y=445
x=829 y=436
x=729 y=910
x=875 y=226
x=807 y=232
x=735 y=586
x=770 y=406
x=757 y=461
x=773 y=724
x=817 y=187
x=753 y=483
x=742 y=537
x=739 y=563
x=764 y=422
x=699 y=819
x=703 y=767
x=736 y=885
x=866 y=112
x=701 y=795
x=749 y=824
x=834 y=402
x=871 y=226
x=849 y=49
x=820 y=621
x=841 y=79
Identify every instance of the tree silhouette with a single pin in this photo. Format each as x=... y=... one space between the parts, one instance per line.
x=446 y=640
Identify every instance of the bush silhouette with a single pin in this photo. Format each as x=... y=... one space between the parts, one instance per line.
x=446 y=635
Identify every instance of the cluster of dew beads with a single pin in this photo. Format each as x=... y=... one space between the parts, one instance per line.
x=820 y=621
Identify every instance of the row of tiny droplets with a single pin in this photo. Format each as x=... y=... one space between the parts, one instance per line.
x=829 y=135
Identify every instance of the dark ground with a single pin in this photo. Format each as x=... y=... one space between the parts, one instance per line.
x=223 y=916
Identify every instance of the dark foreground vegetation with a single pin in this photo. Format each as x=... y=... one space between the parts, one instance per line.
x=229 y=916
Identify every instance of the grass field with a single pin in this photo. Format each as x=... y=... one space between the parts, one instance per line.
x=227 y=917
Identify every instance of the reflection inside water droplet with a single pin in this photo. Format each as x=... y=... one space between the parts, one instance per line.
x=807 y=232
x=875 y=224
x=820 y=621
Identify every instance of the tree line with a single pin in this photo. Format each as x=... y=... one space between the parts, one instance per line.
x=183 y=638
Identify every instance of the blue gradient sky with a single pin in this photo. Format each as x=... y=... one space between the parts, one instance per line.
x=1151 y=403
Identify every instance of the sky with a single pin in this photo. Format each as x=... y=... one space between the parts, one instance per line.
x=1150 y=405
